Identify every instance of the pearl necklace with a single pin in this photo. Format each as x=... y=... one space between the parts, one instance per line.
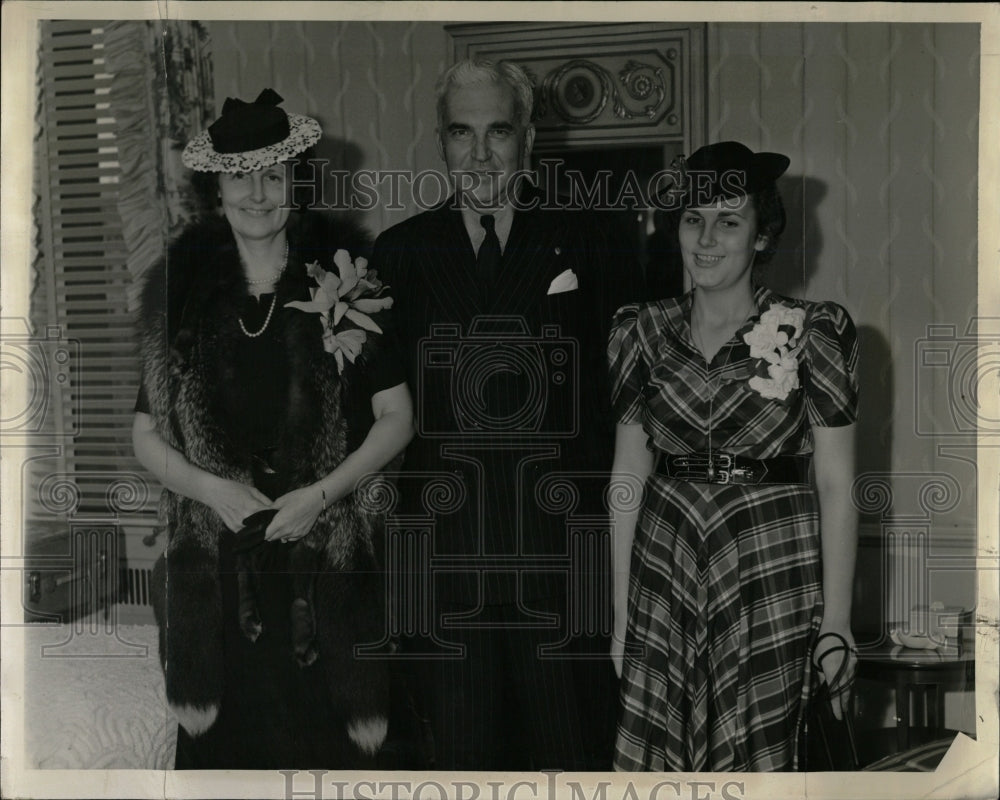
x=267 y=321
x=274 y=299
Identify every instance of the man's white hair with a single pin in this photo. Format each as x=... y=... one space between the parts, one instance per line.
x=473 y=72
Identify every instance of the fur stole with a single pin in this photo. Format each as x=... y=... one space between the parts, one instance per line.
x=188 y=328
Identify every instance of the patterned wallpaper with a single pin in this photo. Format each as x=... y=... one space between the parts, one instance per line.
x=371 y=86
x=881 y=124
x=880 y=121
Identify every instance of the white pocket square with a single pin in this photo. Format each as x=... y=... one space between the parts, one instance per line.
x=565 y=281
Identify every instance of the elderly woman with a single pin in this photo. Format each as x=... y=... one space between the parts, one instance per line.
x=735 y=571
x=270 y=391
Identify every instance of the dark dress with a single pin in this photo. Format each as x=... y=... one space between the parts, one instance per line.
x=274 y=713
x=725 y=593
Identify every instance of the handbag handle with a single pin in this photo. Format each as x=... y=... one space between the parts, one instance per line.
x=841 y=646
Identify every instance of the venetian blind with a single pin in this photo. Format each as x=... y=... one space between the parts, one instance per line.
x=83 y=279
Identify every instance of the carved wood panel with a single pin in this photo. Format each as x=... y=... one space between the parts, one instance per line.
x=602 y=84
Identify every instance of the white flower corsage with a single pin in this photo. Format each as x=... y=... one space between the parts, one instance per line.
x=352 y=295
x=774 y=343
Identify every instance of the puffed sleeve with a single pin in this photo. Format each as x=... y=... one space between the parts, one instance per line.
x=626 y=365
x=830 y=378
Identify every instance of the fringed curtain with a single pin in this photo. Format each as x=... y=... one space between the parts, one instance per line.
x=161 y=96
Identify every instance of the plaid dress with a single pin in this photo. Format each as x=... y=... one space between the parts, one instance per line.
x=725 y=594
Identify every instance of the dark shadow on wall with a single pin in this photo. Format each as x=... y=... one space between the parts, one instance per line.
x=797 y=257
x=339 y=160
x=876 y=401
x=873 y=454
x=870 y=607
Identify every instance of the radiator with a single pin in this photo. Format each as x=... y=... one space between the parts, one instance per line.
x=133 y=604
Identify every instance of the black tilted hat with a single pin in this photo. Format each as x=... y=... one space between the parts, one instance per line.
x=251 y=136
x=724 y=170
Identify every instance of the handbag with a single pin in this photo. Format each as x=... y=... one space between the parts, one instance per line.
x=828 y=744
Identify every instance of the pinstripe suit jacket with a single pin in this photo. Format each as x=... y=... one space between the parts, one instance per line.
x=509 y=393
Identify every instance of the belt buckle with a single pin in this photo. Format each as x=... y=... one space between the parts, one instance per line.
x=718 y=469
x=723 y=460
x=712 y=468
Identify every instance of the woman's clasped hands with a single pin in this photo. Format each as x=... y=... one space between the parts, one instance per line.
x=297 y=510
x=297 y=513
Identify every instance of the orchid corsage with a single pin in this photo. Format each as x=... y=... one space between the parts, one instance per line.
x=774 y=343
x=352 y=295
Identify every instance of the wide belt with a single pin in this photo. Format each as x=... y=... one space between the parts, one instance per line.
x=727 y=468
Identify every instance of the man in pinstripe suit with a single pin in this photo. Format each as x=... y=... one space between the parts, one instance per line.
x=503 y=323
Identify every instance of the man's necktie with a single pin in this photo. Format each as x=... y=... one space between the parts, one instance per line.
x=488 y=260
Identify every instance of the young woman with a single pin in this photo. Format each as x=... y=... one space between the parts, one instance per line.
x=739 y=561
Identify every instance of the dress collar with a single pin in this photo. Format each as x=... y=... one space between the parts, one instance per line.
x=763 y=298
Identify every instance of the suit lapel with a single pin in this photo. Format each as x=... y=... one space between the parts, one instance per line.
x=532 y=253
x=532 y=257
x=450 y=265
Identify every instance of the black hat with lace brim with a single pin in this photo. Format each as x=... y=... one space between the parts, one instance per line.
x=251 y=136
x=720 y=172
